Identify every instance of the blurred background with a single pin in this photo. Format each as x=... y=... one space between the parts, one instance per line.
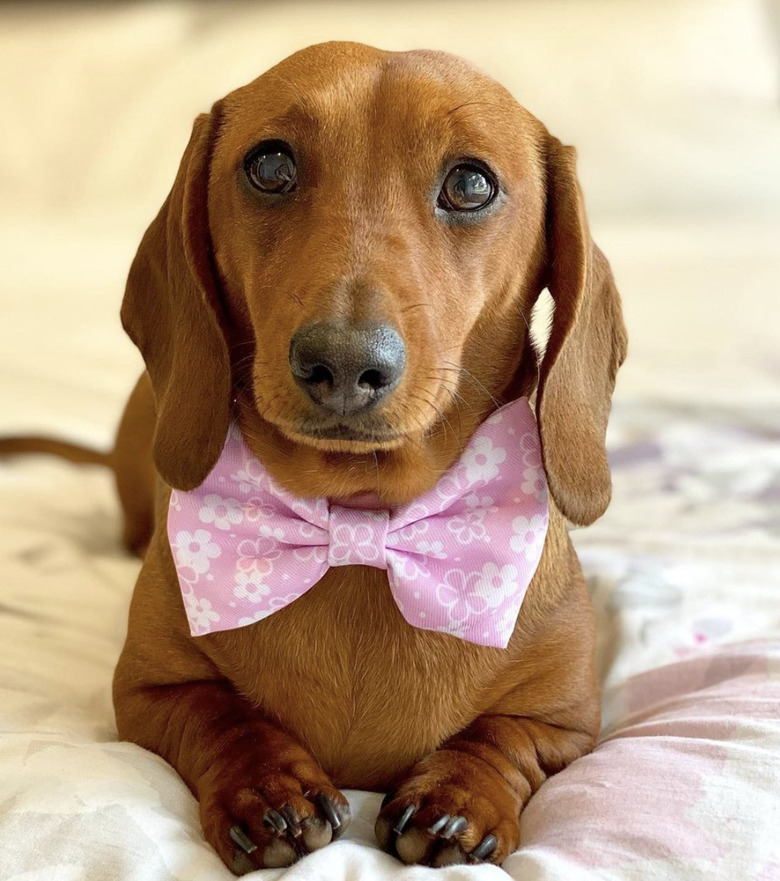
x=674 y=106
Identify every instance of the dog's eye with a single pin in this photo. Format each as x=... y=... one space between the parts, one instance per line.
x=271 y=168
x=467 y=188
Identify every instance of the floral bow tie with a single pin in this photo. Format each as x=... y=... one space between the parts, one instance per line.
x=459 y=558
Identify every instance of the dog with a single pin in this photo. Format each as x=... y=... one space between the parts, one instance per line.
x=341 y=283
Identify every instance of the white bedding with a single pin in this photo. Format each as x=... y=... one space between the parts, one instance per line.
x=675 y=109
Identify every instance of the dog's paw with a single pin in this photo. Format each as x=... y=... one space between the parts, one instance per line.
x=272 y=820
x=452 y=808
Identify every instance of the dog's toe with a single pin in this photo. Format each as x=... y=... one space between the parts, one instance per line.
x=272 y=824
x=451 y=809
x=336 y=813
x=430 y=837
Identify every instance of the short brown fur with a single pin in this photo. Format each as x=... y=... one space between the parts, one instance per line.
x=336 y=689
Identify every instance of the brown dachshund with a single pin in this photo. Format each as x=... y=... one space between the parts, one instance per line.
x=404 y=198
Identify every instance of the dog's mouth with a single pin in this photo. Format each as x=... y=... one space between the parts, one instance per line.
x=341 y=437
x=365 y=433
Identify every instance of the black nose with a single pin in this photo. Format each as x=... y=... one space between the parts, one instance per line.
x=346 y=368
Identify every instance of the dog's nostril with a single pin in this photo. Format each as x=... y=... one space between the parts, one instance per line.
x=320 y=375
x=371 y=380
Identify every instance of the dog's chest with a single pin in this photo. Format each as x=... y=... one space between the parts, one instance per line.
x=344 y=673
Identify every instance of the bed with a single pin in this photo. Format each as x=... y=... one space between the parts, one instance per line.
x=674 y=107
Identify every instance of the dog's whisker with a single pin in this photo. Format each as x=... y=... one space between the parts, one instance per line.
x=470 y=376
x=432 y=404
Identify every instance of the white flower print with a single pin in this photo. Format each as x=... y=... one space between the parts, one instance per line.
x=458 y=595
x=410 y=532
x=409 y=568
x=470 y=526
x=223 y=513
x=311 y=553
x=455 y=628
x=433 y=549
x=533 y=484
x=188 y=577
x=257 y=555
x=450 y=486
x=257 y=509
x=250 y=585
x=279 y=602
x=267 y=531
x=496 y=584
x=528 y=533
x=354 y=545
x=308 y=509
x=481 y=459
x=195 y=550
x=480 y=503
x=251 y=476
x=199 y=612
x=254 y=564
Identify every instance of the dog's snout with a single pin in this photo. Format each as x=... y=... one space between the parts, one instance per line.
x=347 y=368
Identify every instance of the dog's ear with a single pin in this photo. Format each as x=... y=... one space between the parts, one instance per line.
x=171 y=312
x=586 y=346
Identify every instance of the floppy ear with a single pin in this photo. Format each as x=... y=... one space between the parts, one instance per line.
x=170 y=311
x=586 y=346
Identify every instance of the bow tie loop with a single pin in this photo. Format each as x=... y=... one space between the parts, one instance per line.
x=357 y=537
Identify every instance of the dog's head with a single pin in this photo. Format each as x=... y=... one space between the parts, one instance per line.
x=351 y=251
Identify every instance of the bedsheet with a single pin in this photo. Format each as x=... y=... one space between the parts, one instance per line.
x=679 y=162
x=685 y=781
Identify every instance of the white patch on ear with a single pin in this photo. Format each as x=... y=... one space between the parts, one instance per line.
x=541 y=322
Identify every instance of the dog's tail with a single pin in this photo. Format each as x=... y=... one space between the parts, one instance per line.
x=80 y=455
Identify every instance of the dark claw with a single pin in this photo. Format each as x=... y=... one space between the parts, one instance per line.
x=275 y=819
x=483 y=849
x=386 y=800
x=439 y=824
x=293 y=821
x=329 y=809
x=404 y=819
x=242 y=839
x=456 y=825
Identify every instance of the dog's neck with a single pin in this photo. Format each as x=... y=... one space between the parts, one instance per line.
x=392 y=477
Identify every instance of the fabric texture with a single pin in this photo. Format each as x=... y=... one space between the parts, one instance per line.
x=459 y=558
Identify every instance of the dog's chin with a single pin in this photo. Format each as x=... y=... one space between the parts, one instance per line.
x=344 y=438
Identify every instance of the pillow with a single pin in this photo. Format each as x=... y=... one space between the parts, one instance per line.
x=686 y=784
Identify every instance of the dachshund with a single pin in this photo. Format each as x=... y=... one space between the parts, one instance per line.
x=342 y=278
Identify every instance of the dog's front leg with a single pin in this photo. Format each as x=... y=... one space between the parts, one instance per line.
x=264 y=801
x=463 y=802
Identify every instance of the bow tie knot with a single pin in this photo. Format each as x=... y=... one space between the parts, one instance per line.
x=357 y=537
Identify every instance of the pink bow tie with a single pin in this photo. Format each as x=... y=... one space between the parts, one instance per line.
x=459 y=559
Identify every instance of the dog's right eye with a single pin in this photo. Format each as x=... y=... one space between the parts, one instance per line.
x=271 y=168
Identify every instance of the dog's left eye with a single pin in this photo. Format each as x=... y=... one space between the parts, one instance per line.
x=467 y=188
x=270 y=168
